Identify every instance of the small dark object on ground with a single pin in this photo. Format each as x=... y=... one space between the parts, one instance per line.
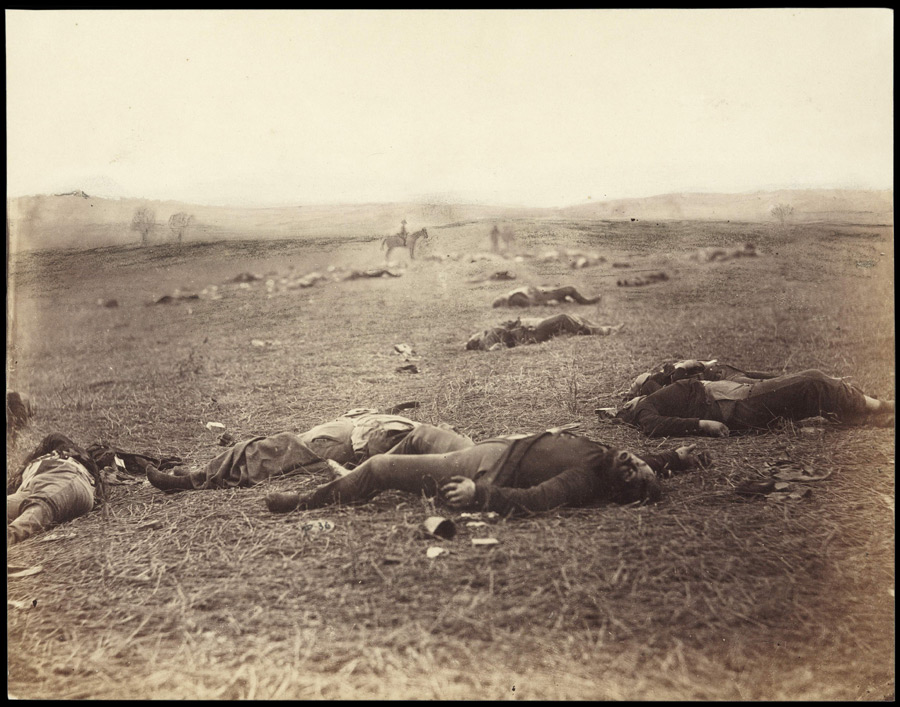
x=755 y=488
x=282 y=502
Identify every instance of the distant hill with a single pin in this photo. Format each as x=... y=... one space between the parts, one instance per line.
x=78 y=220
x=809 y=205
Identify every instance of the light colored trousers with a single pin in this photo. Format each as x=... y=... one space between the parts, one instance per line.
x=53 y=491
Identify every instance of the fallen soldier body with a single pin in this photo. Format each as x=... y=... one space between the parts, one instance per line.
x=671 y=371
x=713 y=254
x=576 y=259
x=510 y=475
x=691 y=407
x=498 y=275
x=347 y=440
x=56 y=484
x=534 y=331
x=371 y=273
x=530 y=296
x=643 y=280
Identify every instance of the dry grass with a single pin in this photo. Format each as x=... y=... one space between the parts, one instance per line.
x=208 y=596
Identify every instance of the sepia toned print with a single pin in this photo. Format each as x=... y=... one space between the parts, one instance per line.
x=386 y=286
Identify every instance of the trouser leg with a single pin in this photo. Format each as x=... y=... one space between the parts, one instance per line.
x=561 y=293
x=569 y=324
x=414 y=473
x=15 y=503
x=32 y=519
x=560 y=324
x=428 y=439
x=795 y=397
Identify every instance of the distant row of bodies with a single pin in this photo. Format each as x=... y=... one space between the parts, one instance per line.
x=368 y=451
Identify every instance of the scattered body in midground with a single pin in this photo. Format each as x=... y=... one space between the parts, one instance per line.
x=348 y=440
x=576 y=259
x=354 y=274
x=534 y=331
x=511 y=474
x=530 y=296
x=56 y=483
x=715 y=254
x=692 y=407
x=643 y=280
x=669 y=372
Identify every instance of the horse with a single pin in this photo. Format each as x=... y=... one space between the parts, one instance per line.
x=400 y=241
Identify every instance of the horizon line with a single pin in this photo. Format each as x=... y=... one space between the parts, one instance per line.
x=445 y=202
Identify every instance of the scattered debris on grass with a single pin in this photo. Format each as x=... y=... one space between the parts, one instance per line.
x=489 y=515
x=440 y=527
x=21 y=604
x=264 y=343
x=58 y=535
x=23 y=572
x=315 y=527
x=405 y=350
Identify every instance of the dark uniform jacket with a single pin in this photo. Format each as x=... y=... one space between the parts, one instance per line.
x=548 y=470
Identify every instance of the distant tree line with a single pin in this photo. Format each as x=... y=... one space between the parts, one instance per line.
x=144 y=220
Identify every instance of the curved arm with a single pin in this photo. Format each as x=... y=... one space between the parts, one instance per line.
x=573 y=487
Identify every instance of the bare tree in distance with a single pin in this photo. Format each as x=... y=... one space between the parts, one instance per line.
x=179 y=223
x=142 y=222
x=782 y=212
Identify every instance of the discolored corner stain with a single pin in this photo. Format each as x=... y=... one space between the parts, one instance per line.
x=865 y=263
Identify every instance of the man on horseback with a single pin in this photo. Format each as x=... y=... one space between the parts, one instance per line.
x=402 y=240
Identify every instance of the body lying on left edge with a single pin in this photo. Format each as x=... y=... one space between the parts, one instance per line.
x=56 y=484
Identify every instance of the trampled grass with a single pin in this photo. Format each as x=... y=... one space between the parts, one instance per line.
x=208 y=595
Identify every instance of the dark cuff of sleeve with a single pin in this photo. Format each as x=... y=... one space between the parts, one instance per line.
x=674 y=462
x=482 y=496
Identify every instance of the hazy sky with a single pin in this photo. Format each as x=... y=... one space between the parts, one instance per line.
x=543 y=108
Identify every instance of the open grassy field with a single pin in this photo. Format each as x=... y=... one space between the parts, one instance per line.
x=702 y=596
